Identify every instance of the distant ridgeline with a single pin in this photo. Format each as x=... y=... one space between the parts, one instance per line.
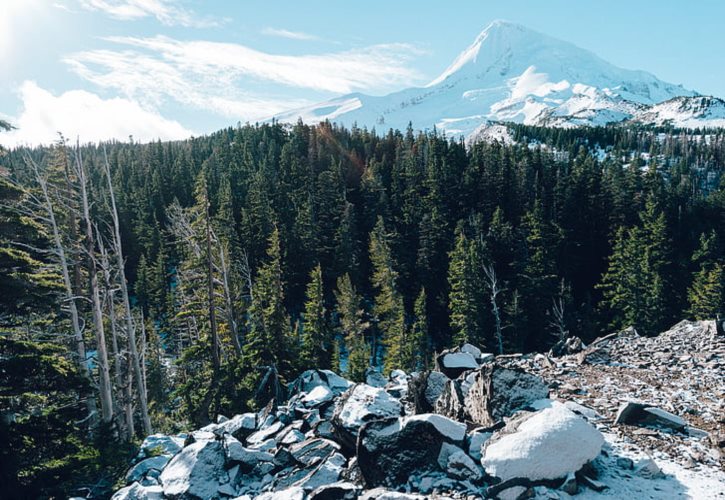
x=325 y=247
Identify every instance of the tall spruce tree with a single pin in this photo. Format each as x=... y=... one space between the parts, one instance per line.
x=389 y=309
x=317 y=337
x=706 y=295
x=353 y=326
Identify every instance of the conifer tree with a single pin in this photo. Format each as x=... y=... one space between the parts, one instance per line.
x=389 y=310
x=635 y=283
x=466 y=299
x=316 y=332
x=353 y=326
x=420 y=335
x=706 y=295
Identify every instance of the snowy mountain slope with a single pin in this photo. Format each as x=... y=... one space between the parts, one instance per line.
x=511 y=73
x=686 y=112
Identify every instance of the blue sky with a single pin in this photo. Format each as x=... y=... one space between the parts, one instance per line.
x=170 y=68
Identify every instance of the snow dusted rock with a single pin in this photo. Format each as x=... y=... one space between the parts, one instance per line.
x=139 y=471
x=435 y=386
x=385 y=494
x=424 y=389
x=197 y=471
x=398 y=385
x=472 y=350
x=476 y=441
x=247 y=457
x=640 y=414
x=569 y=345
x=374 y=378
x=265 y=434
x=336 y=491
x=548 y=444
x=390 y=450
x=453 y=364
x=310 y=379
x=137 y=492
x=457 y=464
x=327 y=472
x=160 y=444
x=293 y=493
x=495 y=392
x=358 y=405
x=239 y=426
x=313 y=451
x=317 y=397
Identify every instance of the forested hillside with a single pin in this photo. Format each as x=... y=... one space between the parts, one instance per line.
x=154 y=286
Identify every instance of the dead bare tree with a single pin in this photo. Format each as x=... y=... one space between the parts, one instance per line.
x=104 y=377
x=492 y=282
x=43 y=208
x=558 y=316
x=130 y=327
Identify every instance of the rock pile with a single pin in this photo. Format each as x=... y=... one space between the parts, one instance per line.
x=478 y=426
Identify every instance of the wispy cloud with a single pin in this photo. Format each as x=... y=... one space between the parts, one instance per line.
x=86 y=115
x=168 y=12
x=218 y=76
x=292 y=35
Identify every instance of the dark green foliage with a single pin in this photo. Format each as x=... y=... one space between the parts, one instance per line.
x=706 y=295
x=353 y=327
x=317 y=336
x=43 y=446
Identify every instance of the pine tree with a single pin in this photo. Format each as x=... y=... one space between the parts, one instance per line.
x=706 y=295
x=316 y=332
x=268 y=345
x=466 y=299
x=420 y=335
x=635 y=283
x=353 y=326
x=389 y=310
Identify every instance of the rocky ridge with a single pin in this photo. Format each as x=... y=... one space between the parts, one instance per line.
x=625 y=416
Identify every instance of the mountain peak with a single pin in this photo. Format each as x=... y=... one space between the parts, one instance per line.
x=498 y=40
x=511 y=73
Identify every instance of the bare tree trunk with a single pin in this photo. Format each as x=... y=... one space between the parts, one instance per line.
x=231 y=313
x=118 y=380
x=143 y=355
x=104 y=374
x=129 y=397
x=141 y=389
x=216 y=363
x=490 y=273
x=70 y=296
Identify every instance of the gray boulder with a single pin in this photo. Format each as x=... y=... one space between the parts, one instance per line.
x=137 y=492
x=196 y=472
x=390 y=450
x=141 y=469
x=490 y=393
x=361 y=403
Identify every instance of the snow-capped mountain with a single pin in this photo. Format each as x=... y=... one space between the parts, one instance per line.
x=514 y=74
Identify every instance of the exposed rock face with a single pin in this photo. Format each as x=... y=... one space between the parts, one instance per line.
x=146 y=466
x=490 y=393
x=389 y=451
x=634 y=413
x=336 y=440
x=362 y=403
x=196 y=472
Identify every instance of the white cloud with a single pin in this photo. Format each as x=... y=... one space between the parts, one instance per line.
x=217 y=76
x=168 y=12
x=82 y=114
x=292 y=35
